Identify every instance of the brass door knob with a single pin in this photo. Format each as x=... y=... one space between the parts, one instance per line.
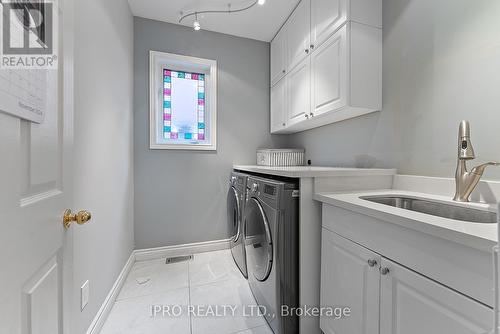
x=80 y=218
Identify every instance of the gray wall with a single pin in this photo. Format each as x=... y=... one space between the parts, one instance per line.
x=180 y=196
x=441 y=65
x=103 y=148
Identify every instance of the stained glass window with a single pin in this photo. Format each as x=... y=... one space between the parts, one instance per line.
x=183 y=105
x=183 y=102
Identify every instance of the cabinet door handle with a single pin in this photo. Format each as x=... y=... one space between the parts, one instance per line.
x=372 y=263
x=384 y=271
x=311 y=114
x=311 y=46
x=283 y=71
x=306 y=50
x=306 y=116
x=283 y=124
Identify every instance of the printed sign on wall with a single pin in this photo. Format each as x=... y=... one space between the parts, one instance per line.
x=28 y=57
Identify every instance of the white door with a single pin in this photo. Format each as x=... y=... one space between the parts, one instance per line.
x=298 y=93
x=326 y=17
x=297 y=34
x=278 y=68
x=329 y=74
x=278 y=105
x=349 y=277
x=413 y=304
x=35 y=189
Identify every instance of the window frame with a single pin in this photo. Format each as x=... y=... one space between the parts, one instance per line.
x=162 y=60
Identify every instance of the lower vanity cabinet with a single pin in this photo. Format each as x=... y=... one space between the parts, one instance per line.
x=349 y=278
x=387 y=298
x=413 y=304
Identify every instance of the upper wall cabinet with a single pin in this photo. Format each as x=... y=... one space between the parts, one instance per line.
x=334 y=47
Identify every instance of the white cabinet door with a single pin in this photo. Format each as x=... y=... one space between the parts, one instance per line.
x=348 y=280
x=326 y=17
x=329 y=74
x=278 y=67
x=278 y=105
x=297 y=34
x=414 y=304
x=298 y=93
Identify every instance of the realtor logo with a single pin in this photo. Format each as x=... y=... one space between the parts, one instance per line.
x=28 y=34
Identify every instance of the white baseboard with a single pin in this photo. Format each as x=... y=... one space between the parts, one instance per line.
x=180 y=250
x=149 y=254
x=102 y=314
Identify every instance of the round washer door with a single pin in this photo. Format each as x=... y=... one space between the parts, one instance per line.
x=258 y=242
x=233 y=214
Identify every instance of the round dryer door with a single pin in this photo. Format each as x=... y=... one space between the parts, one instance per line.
x=233 y=214
x=258 y=241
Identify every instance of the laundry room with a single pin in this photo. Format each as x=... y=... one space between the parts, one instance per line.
x=249 y=167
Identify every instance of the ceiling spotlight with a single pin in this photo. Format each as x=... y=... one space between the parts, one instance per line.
x=261 y=2
x=196 y=24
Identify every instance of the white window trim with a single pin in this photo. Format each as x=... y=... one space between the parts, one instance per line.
x=185 y=63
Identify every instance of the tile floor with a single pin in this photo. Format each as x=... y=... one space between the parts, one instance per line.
x=210 y=279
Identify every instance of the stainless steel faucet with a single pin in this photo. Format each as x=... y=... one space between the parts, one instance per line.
x=466 y=181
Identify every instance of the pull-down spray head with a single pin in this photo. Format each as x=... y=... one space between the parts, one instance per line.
x=466 y=181
x=465 y=149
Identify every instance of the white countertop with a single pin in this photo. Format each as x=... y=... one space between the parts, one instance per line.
x=478 y=235
x=314 y=171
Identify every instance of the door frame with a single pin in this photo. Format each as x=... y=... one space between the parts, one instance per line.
x=66 y=101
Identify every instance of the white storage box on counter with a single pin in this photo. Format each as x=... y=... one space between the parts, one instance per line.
x=280 y=157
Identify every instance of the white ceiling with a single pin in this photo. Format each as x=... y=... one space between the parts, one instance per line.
x=259 y=22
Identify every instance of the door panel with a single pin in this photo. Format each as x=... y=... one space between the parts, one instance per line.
x=36 y=189
x=278 y=57
x=329 y=74
x=413 y=304
x=326 y=17
x=278 y=105
x=298 y=93
x=41 y=300
x=258 y=240
x=297 y=34
x=233 y=214
x=348 y=280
